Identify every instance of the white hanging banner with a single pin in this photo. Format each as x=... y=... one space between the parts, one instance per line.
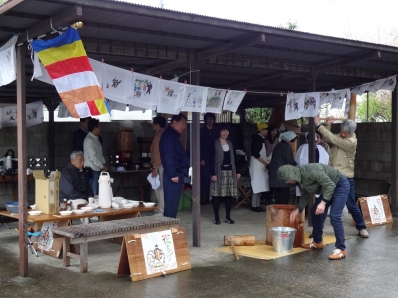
x=195 y=99
x=326 y=97
x=215 y=100
x=389 y=83
x=116 y=83
x=63 y=111
x=171 y=95
x=39 y=71
x=8 y=67
x=311 y=104
x=338 y=98
x=34 y=114
x=233 y=99
x=145 y=91
x=294 y=106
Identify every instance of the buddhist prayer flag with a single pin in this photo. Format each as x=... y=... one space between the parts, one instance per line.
x=68 y=66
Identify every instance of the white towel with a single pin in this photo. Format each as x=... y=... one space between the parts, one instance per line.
x=155 y=182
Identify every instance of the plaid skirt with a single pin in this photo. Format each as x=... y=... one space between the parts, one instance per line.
x=226 y=182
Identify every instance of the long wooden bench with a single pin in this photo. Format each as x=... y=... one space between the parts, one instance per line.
x=84 y=233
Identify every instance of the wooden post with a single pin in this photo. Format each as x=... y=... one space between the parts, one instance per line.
x=22 y=162
x=353 y=106
x=50 y=135
x=195 y=156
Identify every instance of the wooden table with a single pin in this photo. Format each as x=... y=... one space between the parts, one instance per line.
x=132 y=179
x=13 y=180
x=52 y=244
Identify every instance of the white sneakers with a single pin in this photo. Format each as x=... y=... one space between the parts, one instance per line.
x=364 y=233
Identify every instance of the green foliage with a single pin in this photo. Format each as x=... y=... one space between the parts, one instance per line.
x=3 y=2
x=379 y=108
x=255 y=115
x=290 y=25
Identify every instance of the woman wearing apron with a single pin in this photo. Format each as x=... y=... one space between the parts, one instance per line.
x=258 y=163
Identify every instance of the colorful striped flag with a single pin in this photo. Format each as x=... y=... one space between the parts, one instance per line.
x=67 y=64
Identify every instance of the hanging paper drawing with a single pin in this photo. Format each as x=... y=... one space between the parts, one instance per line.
x=389 y=83
x=8 y=69
x=171 y=96
x=311 y=104
x=338 y=99
x=159 y=253
x=144 y=91
x=215 y=100
x=294 y=106
x=67 y=63
x=233 y=99
x=195 y=99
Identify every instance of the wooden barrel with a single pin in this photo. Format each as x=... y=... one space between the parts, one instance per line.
x=279 y=216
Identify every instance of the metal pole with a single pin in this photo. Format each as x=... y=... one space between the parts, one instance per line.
x=22 y=162
x=195 y=136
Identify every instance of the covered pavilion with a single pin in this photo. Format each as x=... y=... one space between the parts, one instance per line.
x=214 y=52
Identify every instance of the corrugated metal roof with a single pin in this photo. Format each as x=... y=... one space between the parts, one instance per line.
x=148 y=39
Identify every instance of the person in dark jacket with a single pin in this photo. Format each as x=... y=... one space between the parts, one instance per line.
x=175 y=163
x=281 y=155
x=80 y=134
x=333 y=186
x=208 y=135
x=74 y=182
x=223 y=175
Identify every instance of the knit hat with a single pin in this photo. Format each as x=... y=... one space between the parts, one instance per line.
x=261 y=126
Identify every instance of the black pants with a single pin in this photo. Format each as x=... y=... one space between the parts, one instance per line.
x=216 y=206
x=281 y=195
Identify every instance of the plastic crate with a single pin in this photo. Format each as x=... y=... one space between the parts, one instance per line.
x=12 y=207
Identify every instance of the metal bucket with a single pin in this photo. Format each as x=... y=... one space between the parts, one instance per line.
x=282 y=239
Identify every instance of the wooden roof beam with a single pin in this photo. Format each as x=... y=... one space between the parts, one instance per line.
x=348 y=60
x=62 y=19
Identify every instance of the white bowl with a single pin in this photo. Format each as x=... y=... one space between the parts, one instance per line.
x=33 y=206
x=87 y=208
x=94 y=206
x=79 y=211
x=35 y=212
x=128 y=206
x=65 y=212
x=150 y=204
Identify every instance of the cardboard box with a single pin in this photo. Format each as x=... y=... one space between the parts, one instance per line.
x=47 y=192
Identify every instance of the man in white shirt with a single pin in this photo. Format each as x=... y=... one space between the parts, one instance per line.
x=93 y=157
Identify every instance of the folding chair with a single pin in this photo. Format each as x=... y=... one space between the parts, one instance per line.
x=30 y=243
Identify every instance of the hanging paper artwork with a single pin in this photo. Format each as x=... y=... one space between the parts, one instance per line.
x=67 y=64
x=294 y=106
x=232 y=100
x=115 y=83
x=145 y=91
x=338 y=98
x=8 y=67
x=311 y=104
x=215 y=100
x=388 y=83
x=171 y=96
x=34 y=114
x=195 y=99
x=326 y=97
x=114 y=105
x=159 y=252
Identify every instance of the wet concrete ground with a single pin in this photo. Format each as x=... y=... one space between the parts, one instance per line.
x=370 y=269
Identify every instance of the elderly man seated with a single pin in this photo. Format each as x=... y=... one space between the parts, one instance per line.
x=74 y=182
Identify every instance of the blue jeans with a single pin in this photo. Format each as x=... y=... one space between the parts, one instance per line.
x=94 y=182
x=353 y=207
x=336 y=203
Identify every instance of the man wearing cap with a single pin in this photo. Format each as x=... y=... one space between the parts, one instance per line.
x=342 y=156
x=258 y=163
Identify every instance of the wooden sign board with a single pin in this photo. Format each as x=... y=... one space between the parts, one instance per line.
x=133 y=262
x=375 y=210
x=48 y=243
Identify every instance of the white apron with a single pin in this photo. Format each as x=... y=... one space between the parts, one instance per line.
x=258 y=173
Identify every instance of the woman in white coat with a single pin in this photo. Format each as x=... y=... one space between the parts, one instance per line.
x=258 y=163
